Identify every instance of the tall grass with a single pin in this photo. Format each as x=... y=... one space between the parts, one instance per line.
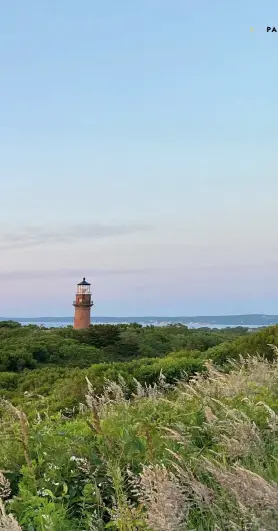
x=200 y=455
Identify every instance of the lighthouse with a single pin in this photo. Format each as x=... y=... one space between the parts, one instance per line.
x=82 y=304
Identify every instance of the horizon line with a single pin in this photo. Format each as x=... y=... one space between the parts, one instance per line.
x=143 y=316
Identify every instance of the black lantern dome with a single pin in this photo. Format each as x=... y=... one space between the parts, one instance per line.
x=84 y=282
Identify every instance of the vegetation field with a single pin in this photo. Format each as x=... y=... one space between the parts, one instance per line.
x=128 y=428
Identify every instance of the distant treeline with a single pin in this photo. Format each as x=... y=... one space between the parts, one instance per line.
x=246 y=320
x=30 y=347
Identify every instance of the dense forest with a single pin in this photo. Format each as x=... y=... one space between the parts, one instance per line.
x=129 y=428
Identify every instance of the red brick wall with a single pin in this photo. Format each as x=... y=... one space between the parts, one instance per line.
x=82 y=317
x=84 y=298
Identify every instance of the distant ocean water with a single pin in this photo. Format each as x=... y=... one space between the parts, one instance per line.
x=248 y=320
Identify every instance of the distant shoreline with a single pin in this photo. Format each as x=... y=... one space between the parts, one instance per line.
x=210 y=321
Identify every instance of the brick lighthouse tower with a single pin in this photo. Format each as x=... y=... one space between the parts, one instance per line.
x=83 y=303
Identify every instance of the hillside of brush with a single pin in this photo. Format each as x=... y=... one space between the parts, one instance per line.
x=54 y=363
x=130 y=428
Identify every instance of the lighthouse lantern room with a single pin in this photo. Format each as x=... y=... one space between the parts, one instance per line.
x=83 y=287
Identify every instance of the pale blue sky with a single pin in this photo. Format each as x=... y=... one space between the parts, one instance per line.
x=138 y=147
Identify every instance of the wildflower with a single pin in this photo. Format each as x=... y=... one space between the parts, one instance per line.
x=41 y=492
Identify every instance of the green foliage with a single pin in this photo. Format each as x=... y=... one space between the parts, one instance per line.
x=32 y=346
x=76 y=463
x=164 y=457
x=9 y=324
x=259 y=343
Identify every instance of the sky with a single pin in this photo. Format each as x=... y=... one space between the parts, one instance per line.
x=138 y=148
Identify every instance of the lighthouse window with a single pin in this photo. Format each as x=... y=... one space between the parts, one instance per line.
x=83 y=290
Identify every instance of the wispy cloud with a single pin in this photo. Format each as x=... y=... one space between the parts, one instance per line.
x=68 y=273
x=158 y=273
x=36 y=236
